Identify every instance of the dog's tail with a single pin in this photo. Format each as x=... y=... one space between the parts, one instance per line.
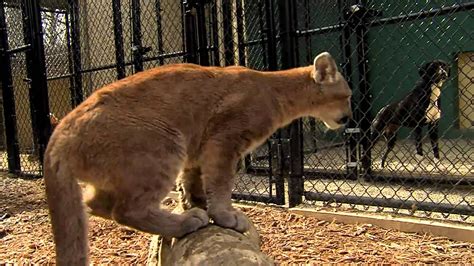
x=68 y=218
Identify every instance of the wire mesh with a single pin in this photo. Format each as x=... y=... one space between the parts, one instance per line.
x=380 y=47
x=26 y=145
x=399 y=38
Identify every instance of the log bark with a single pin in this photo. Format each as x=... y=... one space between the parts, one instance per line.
x=211 y=245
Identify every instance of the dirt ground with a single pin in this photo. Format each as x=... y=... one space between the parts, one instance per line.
x=288 y=238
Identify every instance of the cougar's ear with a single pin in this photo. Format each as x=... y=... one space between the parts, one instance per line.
x=325 y=68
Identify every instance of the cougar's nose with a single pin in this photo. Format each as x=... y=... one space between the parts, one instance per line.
x=344 y=120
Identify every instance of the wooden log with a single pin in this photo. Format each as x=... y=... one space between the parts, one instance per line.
x=211 y=245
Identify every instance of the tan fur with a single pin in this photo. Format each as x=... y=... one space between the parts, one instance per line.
x=131 y=139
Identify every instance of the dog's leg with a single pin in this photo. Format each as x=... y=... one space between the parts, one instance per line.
x=418 y=137
x=391 y=140
x=433 y=134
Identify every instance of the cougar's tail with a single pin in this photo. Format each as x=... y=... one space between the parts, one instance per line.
x=68 y=218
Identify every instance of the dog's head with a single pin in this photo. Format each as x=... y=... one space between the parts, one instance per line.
x=334 y=105
x=434 y=71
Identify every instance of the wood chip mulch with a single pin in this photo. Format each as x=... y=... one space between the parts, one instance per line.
x=25 y=236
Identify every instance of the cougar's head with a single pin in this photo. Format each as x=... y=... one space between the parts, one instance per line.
x=333 y=105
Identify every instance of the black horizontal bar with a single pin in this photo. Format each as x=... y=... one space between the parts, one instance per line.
x=322 y=148
x=59 y=77
x=164 y=56
x=258 y=41
x=423 y=14
x=424 y=180
x=311 y=174
x=322 y=30
x=100 y=68
x=258 y=198
x=21 y=174
x=391 y=203
x=56 y=11
x=147 y=59
x=389 y=20
x=257 y=171
x=254 y=42
x=19 y=49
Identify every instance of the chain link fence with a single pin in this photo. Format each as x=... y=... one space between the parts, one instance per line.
x=381 y=48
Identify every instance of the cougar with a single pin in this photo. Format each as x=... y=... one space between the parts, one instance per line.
x=130 y=140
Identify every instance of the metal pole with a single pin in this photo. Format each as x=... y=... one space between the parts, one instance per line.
x=118 y=38
x=36 y=68
x=9 y=112
x=215 y=34
x=69 y=60
x=365 y=104
x=271 y=32
x=137 y=47
x=228 y=36
x=190 y=32
x=202 y=35
x=78 y=95
x=351 y=135
x=240 y=32
x=159 y=31
x=288 y=24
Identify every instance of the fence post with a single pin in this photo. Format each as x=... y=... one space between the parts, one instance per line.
x=76 y=88
x=357 y=18
x=271 y=35
x=352 y=131
x=137 y=48
x=118 y=38
x=36 y=69
x=190 y=31
x=288 y=23
x=9 y=112
x=240 y=32
x=201 y=33
x=364 y=87
x=228 y=36
x=159 y=31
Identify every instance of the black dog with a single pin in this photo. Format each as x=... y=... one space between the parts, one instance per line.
x=421 y=107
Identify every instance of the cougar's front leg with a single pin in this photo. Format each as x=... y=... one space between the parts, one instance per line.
x=218 y=163
x=191 y=189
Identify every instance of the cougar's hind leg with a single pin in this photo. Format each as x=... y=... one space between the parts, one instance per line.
x=100 y=202
x=145 y=180
x=191 y=189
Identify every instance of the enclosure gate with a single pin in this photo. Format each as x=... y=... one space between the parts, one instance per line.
x=28 y=53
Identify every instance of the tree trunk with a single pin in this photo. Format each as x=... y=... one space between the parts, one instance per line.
x=212 y=245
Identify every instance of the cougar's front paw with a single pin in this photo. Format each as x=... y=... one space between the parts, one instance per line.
x=232 y=218
x=195 y=219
